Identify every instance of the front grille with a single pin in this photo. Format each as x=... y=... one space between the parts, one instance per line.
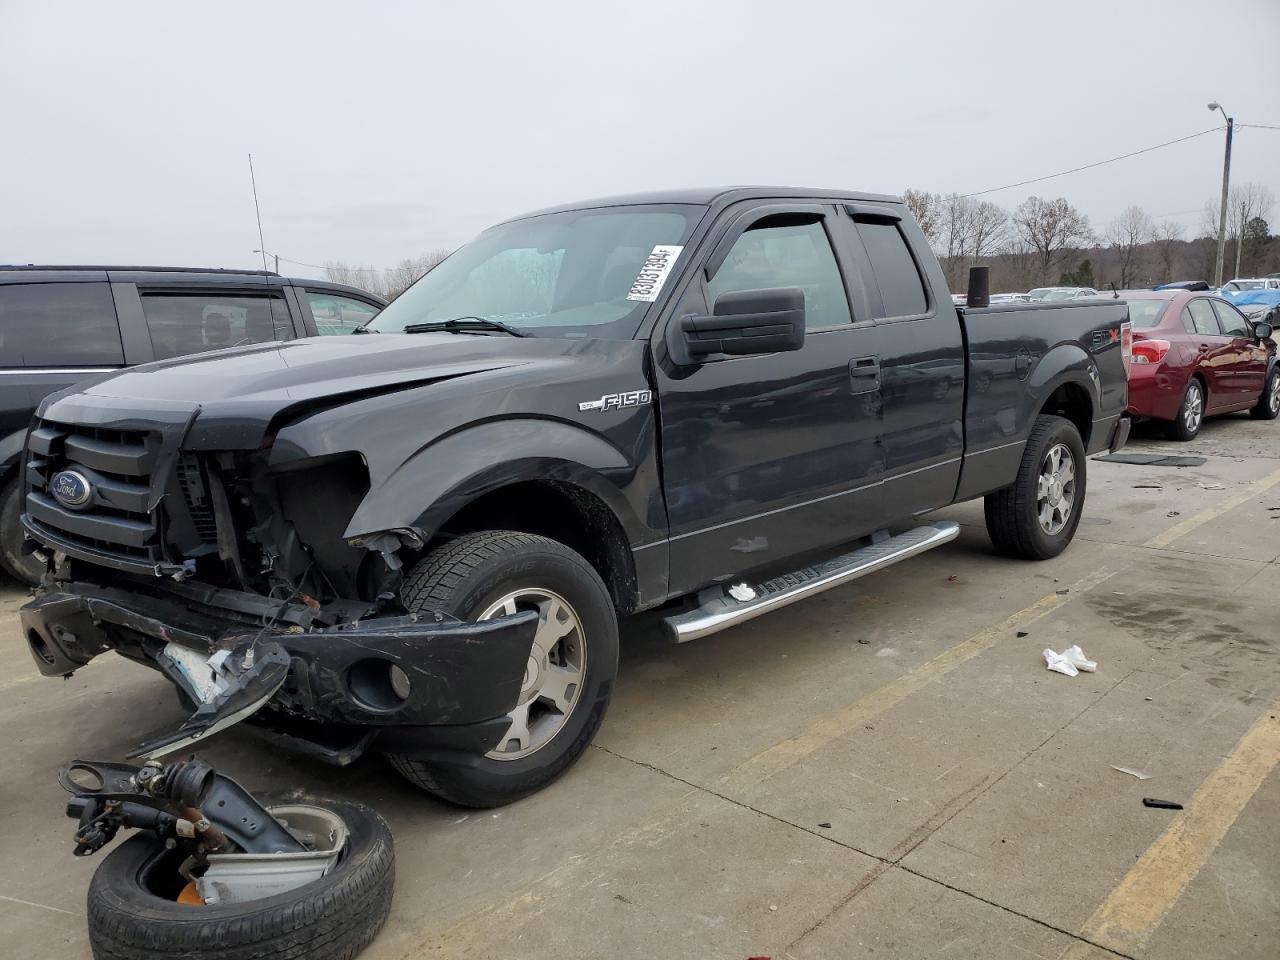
x=118 y=465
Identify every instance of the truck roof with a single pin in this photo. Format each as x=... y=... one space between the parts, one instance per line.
x=193 y=276
x=713 y=196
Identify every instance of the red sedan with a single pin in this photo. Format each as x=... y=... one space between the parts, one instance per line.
x=1195 y=356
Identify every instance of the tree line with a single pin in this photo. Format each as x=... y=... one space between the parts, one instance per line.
x=387 y=283
x=1045 y=242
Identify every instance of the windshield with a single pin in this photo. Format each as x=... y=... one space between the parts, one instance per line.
x=581 y=273
x=1038 y=293
x=1145 y=314
x=1059 y=295
x=1246 y=285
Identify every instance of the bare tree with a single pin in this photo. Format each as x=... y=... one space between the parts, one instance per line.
x=925 y=207
x=1126 y=235
x=1245 y=201
x=1049 y=227
x=388 y=283
x=1167 y=236
x=968 y=231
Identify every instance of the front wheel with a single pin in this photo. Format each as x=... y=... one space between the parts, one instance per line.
x=1268 y=406
x=24 y=567
x=1035 y=517
x=571 y=667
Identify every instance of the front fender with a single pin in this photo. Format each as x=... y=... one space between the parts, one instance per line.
x=447 y=474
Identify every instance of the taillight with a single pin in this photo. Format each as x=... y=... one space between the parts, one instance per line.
x=1126 y=343
x=1149 y=351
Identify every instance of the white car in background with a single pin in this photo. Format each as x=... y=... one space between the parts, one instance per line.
x=1245 y=284
x=1058 y=294
x=1010 y=298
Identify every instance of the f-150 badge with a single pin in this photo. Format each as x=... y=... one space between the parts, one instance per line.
x=617 y=401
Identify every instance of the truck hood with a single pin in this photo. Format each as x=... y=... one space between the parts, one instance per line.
x=231 y=398
x=299 y=371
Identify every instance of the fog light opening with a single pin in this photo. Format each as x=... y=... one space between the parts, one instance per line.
x=378 y=684
x=39 y=647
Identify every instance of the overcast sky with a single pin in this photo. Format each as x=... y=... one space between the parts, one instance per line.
x=382 y=130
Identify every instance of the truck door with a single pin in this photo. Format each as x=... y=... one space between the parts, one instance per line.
x=765 y=457
x=921 y=361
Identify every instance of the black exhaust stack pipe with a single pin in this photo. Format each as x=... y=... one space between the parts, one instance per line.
x=979 y=287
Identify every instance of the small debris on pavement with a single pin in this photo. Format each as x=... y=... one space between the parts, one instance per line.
x=863 y=640
x=1063 y=593
x=1147 y=486
x=952 y=579
x=1148 y=699
x=825 y=825
x=1131 y=772
x=1211 y=486
x=1069 y=662
x=1161 y=804
x=773 y=908
x=1173 y=513
x=1022 y=633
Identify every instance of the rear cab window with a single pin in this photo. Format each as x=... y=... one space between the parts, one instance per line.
x=59 y=325
x=182 y=323
x=336 y=314
x=902 y=290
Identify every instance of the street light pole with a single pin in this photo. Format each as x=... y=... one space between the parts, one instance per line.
x=1226 y=183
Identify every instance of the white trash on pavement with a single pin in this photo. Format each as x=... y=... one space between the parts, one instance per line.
x=1069 y=662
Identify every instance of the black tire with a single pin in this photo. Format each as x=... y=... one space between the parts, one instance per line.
x=332 y=918
x=1268 y=405
x=1178 y=429
x=464 y=578
x=26 y=569
x=1012 y=514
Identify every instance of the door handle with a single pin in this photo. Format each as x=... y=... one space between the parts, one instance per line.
x=864 y=375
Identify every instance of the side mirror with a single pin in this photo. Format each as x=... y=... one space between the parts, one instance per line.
x=1262 y=329
x=747 y=322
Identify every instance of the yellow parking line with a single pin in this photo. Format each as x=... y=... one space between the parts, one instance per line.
x=1218 y=509
x=782 y=755
x=1141 y=900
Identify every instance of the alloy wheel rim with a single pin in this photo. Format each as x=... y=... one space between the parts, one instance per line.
x=1056 y=489
x=1275 y=393
x=553 y=677
x=1194 y=409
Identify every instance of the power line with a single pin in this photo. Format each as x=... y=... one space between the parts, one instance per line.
x=1259 y=126
x=1090 y=166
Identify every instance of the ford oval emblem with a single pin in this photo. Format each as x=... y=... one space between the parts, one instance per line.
x=71 y=488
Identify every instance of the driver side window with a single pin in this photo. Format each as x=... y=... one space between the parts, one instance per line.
x=1233 y=323
x=791 y=255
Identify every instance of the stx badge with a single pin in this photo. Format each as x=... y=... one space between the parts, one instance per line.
x=617 y=401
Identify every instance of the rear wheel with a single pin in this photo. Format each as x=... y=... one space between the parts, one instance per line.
x=571 y=667
x=1190 y=414
x=25 y=568
x=1035 y=517
x=1268 y=406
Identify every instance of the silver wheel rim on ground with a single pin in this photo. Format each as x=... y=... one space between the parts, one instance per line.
x=553 y=678
x=1193 y=408
x=1056 y=489
x=1274 y=401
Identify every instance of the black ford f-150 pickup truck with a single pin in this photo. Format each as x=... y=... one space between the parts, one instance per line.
x=421 y=538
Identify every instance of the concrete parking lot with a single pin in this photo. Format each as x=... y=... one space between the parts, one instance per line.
x=885 y=771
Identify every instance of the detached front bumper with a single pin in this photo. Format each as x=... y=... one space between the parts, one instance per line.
x=418 y=682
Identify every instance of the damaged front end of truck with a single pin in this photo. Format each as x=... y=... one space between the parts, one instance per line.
x=193 y=551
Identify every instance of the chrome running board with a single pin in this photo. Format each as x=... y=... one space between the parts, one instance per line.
x=728 y=606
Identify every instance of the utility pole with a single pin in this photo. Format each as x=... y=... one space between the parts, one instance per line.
x=1240 y=238
x=1226 y=183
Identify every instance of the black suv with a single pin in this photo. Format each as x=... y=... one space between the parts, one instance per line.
x=59 y=325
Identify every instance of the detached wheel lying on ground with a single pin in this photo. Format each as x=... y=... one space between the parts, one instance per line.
x=571 y=668
x=134 y=913
x=1268 y=406
x=1035 y=517
x=1190 y=414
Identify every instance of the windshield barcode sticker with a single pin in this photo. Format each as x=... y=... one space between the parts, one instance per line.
x=653 y=273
